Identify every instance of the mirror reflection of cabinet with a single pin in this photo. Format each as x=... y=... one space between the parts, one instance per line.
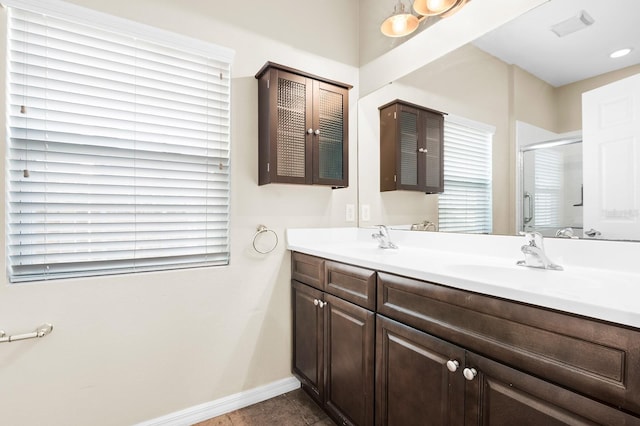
x=303 y=128
x=411 y=148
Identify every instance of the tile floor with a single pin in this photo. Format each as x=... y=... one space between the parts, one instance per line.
x=293 y=408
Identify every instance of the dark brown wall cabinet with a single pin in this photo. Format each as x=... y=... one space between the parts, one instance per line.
x=333 y=338
x=411 y=148
x=445 y=356
x=303 y=126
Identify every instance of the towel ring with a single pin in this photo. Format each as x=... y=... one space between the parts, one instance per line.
x=261 y=230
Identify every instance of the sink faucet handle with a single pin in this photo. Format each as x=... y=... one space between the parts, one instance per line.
x=534 y=238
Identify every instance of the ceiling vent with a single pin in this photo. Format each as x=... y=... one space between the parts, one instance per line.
x=579 y=22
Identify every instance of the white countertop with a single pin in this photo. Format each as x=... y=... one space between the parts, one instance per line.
x=487 y=264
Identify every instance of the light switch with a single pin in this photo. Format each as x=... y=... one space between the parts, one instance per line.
x=365 y=214
x=350 y=213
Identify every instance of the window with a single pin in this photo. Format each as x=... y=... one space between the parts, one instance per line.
x=118 y=147
x=465 y=205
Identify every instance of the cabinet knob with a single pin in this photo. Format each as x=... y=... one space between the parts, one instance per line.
x=310 y=131
x=317 y=132
x=452 y=365
x=469 y=373
x=316 y=302
x=424 y=150
x=322 y=304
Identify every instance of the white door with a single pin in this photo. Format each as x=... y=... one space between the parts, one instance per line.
x=611 y=159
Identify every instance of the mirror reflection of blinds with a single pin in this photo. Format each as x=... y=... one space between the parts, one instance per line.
x=118 y=152
x=548 y=184
x=466 y=204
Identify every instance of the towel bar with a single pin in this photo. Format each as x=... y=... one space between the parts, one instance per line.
x=41 y=331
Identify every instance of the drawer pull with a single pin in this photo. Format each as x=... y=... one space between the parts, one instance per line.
x=469 y=373
x=452 y=365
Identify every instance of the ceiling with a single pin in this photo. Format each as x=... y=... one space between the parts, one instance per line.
x=529 y=43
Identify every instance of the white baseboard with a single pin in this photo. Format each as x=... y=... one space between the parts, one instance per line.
x=205 y=411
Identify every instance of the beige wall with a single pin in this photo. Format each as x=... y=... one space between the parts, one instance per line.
x=130 y=348
x=533 y=100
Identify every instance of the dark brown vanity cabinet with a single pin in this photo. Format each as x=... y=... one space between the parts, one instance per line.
x=445 y=356
x=411 y=148
x=303 y=127
x=517 y=364
x=333 y=338
x=426 y=380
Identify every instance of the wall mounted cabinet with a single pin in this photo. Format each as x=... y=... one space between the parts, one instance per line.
x=303 y=126
x=411 y=148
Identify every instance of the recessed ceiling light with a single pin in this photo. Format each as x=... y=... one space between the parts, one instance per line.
x=620 y=53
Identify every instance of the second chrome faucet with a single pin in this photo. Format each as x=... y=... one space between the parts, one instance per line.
x=383 y=238
x=534 y=255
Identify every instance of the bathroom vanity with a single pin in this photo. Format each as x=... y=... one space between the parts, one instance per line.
x=420 y=336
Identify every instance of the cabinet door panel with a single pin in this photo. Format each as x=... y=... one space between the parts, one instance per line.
x=308 y=335
x=408 y=156
x=502 y=396
x=434 y=170
x=349 y=350
x=414 y=386
x=330 y=155
x=291 y=119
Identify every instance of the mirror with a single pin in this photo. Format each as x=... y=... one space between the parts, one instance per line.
x=507 y=86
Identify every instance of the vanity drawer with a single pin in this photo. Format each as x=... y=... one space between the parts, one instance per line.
x=308 y=269
x=351 y=283
x=600 y=359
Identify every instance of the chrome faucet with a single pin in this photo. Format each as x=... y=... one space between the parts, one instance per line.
x=565 y=233
x=425 y=225
x=534 y=255
x=383 y=238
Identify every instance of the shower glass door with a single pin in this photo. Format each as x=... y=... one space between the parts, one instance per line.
x=552 y=187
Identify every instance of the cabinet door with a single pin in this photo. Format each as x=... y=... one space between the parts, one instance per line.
x=501 y=396
x=413 y=384
x=330 y=135
x=308 y=338
x=410 y=161
x=291 y=117
x=349 y=349
x=433 y=129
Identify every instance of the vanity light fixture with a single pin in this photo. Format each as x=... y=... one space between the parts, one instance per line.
x=433 y=7
x=620 y=53
x=401 y=23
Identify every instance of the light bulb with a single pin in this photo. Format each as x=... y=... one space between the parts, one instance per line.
x=399 y=24
x=435 y=5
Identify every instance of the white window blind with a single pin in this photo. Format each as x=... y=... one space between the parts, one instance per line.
x=118 y=152
x=548 y=183
x=466 y=204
